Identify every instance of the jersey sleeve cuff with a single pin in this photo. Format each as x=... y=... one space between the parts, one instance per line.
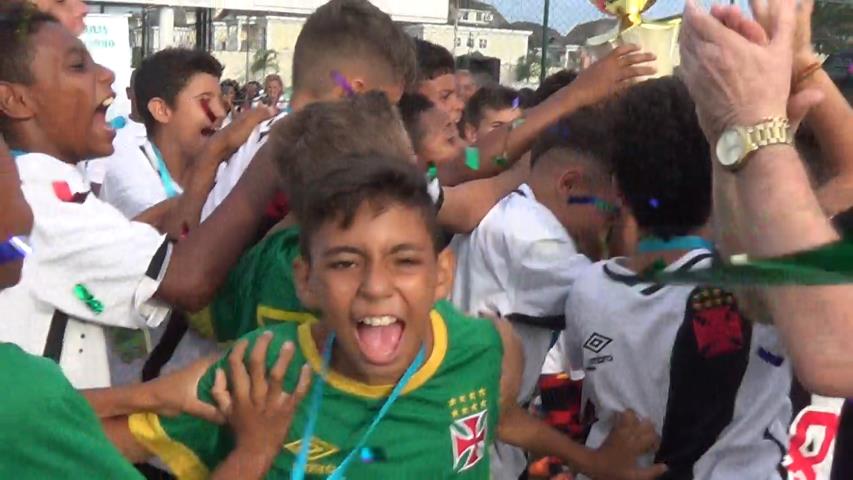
x=183 y=462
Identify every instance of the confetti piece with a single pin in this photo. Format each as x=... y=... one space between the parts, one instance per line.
x=472 y=158
x=13 y=249
x=501 y=161
x=85 y=296
x=118 y=123
x=654 y=203
x=342 y=82
x=366 y=455
x=518 y=122
x=515 y=103
x=185 y=230
x=432 y=171
x=657 y=266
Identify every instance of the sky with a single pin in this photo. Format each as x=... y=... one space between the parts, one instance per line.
x=565 y=14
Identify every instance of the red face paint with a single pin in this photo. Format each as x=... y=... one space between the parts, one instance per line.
x=205 y=105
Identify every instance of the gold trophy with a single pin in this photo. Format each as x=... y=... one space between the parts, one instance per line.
x=659 y=36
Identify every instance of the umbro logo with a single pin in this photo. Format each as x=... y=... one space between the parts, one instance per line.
x=596 y=342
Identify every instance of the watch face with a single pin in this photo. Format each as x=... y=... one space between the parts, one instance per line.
x=730 y=148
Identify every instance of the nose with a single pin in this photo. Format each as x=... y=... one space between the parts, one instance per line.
x=106 y=75
x=376 y=283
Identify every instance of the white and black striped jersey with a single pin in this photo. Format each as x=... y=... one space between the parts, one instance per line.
x=714 y=384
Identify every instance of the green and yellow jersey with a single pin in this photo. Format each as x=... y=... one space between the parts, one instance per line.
x=259 y=290
x=439 y=427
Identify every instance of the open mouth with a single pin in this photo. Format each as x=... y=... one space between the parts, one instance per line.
x=101 y=113
x=379 y=338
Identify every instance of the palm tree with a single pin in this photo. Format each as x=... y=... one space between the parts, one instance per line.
x=265 y=60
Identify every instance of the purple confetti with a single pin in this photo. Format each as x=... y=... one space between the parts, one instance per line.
x=342 y=82
x=654 y=202
x=515 y=103
x=850 y=68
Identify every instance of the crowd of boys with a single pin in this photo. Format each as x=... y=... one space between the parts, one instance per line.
x=400 y=271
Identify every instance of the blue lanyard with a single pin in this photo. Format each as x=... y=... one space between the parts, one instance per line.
x=165 y=177
x=301 y=463
x=689 y=242
x=17 y=153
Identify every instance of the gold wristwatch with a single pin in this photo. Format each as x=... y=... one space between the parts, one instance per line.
x=737 y=143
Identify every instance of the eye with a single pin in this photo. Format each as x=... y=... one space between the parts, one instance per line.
x=408 y=261
x=341 y=264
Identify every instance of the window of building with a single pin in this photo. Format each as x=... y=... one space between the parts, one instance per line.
x=479 y=16
x=464 y=15
x=458 y=41
x=470 y=42
x=483 y=43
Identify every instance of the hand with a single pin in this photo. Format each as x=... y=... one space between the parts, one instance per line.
x=618 y=70
x=617 y=457
x=227 y=140
x=176 y=393
x=733 y=80
x=755 y=31
x=256 y=408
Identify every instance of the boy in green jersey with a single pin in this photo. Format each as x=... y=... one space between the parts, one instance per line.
x=407 y=386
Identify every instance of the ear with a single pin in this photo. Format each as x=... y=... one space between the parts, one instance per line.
x=569 y=181
x=470 y=133
x=301 y=277
x=358 y=84
x=445 y=267
x=15 y=101
x=160 y=110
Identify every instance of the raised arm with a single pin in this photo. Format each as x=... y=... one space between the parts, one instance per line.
x=768 y=208
x=616 y=71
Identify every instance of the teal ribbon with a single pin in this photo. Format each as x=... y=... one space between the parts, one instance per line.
x=301 y=463
x=85 y=296
x=165 y=176
x=17 y=153
x=686 y=242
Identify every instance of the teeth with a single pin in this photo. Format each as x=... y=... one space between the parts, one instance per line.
x=107 y=102
x=383 y=321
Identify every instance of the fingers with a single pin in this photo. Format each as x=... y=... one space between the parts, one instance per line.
x=208 y=412
x=220 y=393
x=303 y=385
x=239 y=377
x=759 y=12
x=624 y=50
x=783 y=18
x=258 y=368
x=276 y=377
x=631 y=73
x=635 y=58
x=652 y=472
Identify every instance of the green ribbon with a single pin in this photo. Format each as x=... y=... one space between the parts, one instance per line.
x=432 y=171
x=85 y=296
x=472 y=158
x=830 y=264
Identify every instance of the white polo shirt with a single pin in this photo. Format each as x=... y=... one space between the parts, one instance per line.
x=79 y=240
x=132 y=183
x=519 y=263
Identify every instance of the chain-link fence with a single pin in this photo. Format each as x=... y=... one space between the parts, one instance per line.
x=505 y=38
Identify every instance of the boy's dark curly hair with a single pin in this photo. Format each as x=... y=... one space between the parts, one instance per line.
x=661 y=158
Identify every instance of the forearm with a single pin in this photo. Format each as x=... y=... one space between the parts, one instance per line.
x=124 y=400
x=832 y=123
x=245 y=463
x=465 y=205
x=512 y=142
x=201 y=261
x=778 y=213
x=521 y=429
x=118 y=432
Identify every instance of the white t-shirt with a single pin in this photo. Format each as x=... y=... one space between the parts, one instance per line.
x=132 y=183
x=714 y=385
x=133 y=133
x=79 y=240
x=519 y=263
